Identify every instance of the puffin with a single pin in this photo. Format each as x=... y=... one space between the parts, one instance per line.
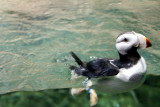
x=114 y=75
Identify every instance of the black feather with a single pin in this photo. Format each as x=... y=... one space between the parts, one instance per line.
x=79 y=62
x=95 y=68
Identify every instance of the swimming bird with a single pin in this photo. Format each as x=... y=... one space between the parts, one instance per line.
x=114 y=75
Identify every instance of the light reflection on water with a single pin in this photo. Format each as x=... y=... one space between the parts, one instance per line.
x=37 y=36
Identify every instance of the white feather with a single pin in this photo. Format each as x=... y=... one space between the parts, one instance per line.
x=121 y=82
x=133 y=39
x=126 y=74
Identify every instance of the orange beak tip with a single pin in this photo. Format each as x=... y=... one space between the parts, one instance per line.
x=148 y=43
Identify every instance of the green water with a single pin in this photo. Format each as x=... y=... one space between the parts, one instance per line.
x=36 y=37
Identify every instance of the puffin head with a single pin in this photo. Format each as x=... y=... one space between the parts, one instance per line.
x=131 y=40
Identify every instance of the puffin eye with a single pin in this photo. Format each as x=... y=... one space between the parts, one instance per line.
x=125 y=40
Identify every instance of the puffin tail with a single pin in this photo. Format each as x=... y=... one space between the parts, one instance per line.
x=77 y=59
x=78 y=70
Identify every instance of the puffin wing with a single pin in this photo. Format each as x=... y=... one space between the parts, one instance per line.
x=101 y=67
x=95 y=68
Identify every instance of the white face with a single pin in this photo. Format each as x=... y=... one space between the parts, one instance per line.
x=129 y=40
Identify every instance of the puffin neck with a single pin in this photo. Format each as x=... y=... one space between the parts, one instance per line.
x=132 y=56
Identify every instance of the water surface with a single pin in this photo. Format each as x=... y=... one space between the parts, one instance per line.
x=37 y=36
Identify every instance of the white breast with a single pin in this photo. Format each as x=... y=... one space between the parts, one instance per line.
x=138 y=69
x=125 y=80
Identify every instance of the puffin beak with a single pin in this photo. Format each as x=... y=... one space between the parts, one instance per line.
x=148 y=43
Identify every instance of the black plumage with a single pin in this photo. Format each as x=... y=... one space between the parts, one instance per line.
x=105 y=67
x=95 y=68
